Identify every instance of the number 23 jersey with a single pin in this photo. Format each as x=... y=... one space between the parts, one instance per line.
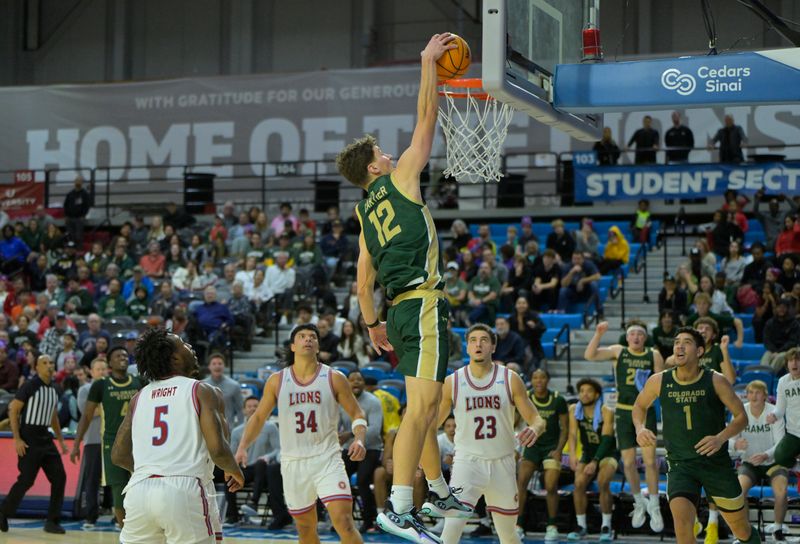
x=308 y=414
x=484 y=413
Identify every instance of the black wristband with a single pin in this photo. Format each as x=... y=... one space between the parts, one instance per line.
x=373 y=325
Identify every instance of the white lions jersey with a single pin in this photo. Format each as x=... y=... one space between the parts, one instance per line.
x=167 y=440
x=484 y=412
x=308 y=414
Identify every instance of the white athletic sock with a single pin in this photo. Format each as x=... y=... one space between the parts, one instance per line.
x=638 y=499
x=654 y=501
x=713 y=516
x=439 y=486
x=402 y=497
x=607 y=520
x=581 y=520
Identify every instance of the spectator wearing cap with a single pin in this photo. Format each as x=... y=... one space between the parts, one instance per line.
x=77 y=204
x=68 y=349
x=9 y=372
x=586 y=240
x=280 y=279
x=278 y=224
x=66 y=263
x=138 y=280
x=14 y=252
x=526 y=234
x=49 y=319
x=781 y=333
x=560 y=241
x=51 y=342
x=112 y=304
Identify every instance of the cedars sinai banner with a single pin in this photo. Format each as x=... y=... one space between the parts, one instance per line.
x=683 y=180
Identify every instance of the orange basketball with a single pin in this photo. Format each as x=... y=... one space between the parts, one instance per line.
x=455 y=62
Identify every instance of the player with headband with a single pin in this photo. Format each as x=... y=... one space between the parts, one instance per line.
x=633 y=364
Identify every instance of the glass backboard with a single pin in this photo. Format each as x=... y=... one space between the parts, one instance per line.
x=523 y=41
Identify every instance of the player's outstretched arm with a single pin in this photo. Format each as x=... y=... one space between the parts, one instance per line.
x=536 y=425
x=122 y=450
x=647 y=396
x=365 y=282
x=414 y=159
x=212 y=423
x=346 y=399
x=256 y=422
x=594 y=352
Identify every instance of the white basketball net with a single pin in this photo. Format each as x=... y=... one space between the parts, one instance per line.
x=475 y=130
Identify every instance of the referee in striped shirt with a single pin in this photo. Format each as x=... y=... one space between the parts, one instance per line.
x=32 y=411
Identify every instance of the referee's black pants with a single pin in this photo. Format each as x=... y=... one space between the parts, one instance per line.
x=41 y=454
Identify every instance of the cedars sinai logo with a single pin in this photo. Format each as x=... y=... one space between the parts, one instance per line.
x=673 y=80
x=712 y=80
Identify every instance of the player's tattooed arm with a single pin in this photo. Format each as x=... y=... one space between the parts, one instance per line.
x=122 y=451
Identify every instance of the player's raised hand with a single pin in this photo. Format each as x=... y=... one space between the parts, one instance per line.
x=646 y=438
x=527 y=437
x=601 y=328
x=235 y=481
x=438 y=44
x=379 y=339
x=724 y=342
x=357 y=451
x=708 y=445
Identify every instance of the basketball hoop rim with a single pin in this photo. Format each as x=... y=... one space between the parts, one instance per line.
x=473 y=87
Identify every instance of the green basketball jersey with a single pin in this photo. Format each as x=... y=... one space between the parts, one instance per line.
x=690 y=412
x=625 y=372
x=114 y=397
x=712 y=359
x=550 y=408
x=590 y=439
x=400 y=237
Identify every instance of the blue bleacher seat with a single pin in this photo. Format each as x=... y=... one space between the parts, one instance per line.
x=747 y=319
x=749 y=335
x=747 y=351
x=766 y=377
x=556 y=321
x=376 y=373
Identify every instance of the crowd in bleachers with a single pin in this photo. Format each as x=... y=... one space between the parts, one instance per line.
x=220 y=285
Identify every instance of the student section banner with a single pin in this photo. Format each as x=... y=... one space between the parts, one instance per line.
x=593 y=183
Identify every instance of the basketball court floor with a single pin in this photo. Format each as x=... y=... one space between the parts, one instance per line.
x=30 y=532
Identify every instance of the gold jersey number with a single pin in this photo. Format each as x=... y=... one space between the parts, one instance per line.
x=382 y=218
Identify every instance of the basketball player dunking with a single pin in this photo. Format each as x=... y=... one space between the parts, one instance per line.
x=308 y=394
x=171 y=438
x=399 y=248
x=483 y=396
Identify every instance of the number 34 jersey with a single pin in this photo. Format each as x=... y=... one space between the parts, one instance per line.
x=484 y=413
x=166 y=434
x=308 y=415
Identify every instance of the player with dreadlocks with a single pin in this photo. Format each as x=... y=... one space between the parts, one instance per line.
x=171 y=438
